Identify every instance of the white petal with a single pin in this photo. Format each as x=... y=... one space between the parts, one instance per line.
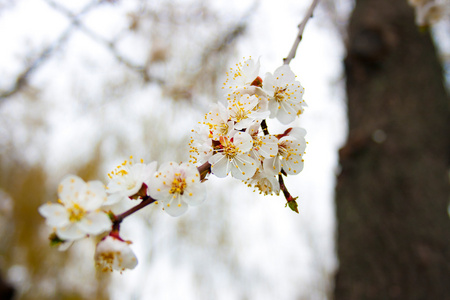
x=190 y=171
x=244 y=168
x=286 y=114
x=56 y=215
x=149 y=172
x=69 y=188
x=95 y=223
x=243 y=141
x=115 y=198
x=65 y=245
x=284 y=74
x=112 y=253
x=176 y=208
x=269 y=148
x=293 y=165
x=195 y=194
x=219 y=165
x=298 y=133
x=94 y=196
x=273 y=108
x=272 y=165
x=70 y=232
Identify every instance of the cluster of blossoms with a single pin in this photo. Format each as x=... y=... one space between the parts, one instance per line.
x=429 y=12
x=85 y=208
x=232 y=139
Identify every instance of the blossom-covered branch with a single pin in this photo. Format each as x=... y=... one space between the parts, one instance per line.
x=232 y=139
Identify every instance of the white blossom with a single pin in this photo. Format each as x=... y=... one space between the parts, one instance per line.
x=291 y=147
x=200 y=144
x=243 y=111
x=267 y=184
x=242 y=76
x=264 y=146
x=113 y=253
x=218 y=121
x=127 y=179
x=177 y=186
x=285 y=94
x=233 y=157
x=78 y=212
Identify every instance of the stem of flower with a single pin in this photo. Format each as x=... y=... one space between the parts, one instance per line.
x=204 y=170
x=301 y=28
x=291 y=201
x=264 y=127
x=145 y=201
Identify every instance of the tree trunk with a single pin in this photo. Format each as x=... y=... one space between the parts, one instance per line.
x=393 y=192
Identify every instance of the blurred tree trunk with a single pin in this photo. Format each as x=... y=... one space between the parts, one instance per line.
x=393 y=192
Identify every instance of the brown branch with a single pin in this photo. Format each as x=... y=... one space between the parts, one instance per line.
x=264 y=127
x=291 y=201
x=301 y=28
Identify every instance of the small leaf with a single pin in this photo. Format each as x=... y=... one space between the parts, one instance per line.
x=55 y=240
x=293 y=205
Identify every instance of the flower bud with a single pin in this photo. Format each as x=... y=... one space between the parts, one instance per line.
x=114 y=254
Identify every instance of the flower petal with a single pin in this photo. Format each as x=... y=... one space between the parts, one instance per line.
x=244 y=168
x=195 y=194
x=114 y=254
x=56 y=215
x=70 y=232
x=69 y=188
x=94 y=196
x=176 y=207
x=219 y=165
x=95 y=223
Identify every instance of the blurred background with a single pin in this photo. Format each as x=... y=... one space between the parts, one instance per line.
x=85 y=84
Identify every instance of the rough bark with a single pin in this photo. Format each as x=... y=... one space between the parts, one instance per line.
x=393 y=192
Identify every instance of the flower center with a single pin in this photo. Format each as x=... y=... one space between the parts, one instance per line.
x=106 y=260
x=229 y=149
x=241 y=114
x=178 y=185
x=76 y=213
x=264 y=186
x=257 y=143
x=285 y=150
x=280 y=94
x=224 y=129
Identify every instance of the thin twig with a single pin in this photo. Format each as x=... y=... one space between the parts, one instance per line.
x=291 y=201
x=111 y=45
x=146 y=201
x=301 y=28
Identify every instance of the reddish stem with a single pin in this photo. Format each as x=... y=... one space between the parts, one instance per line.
x=283 y=187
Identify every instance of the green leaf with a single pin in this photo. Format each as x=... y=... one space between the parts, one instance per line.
x=55 y=240
x=293 y=205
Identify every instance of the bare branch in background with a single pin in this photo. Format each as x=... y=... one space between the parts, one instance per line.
x=110 y=45
x=75 y=23
x=301 y=28
x=45 y=54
